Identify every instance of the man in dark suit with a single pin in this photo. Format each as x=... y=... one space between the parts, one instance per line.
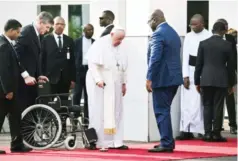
x=28 y=48
x=230 y=97
x=10 y=68
x=164 y=76
x=58 y=62
x=214 y=73
x=106 y=20
x=81 y=48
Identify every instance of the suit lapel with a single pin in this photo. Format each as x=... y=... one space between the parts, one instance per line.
x=14 y=52
x=36 y=38
x=53 y=40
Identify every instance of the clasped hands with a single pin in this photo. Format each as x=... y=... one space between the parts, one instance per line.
x=30 y=81
x=102 y=84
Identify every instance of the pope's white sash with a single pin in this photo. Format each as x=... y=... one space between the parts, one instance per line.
x=109 y=103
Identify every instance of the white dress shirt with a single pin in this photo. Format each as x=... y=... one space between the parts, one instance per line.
x=37 y=33
x=86 y=45
x=57 y=38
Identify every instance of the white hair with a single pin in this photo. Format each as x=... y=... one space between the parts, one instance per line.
x=117 y=28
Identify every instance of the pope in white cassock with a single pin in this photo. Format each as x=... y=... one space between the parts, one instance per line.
x=191 y=120
x=106 y=86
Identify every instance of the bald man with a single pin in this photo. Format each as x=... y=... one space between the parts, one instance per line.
x=82 y=46
x=106 y=86
x=164 y=76
x=58 y=62
x=191 y=120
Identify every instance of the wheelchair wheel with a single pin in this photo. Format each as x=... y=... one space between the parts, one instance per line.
x=41 y=127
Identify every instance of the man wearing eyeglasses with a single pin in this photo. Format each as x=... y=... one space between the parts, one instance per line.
x=191 y=120
x=106 y=20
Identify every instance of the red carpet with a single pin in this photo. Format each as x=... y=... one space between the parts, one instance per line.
x=138 y=152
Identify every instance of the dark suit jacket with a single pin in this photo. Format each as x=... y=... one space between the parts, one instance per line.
x=79 y=55
x=164 y=58
x=214 y=66
x=55 y=62
x=232 y=40
x=28 y=48
x=10 y=68
x=107 y=30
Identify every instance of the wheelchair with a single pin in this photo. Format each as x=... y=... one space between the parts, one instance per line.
x=53 y=122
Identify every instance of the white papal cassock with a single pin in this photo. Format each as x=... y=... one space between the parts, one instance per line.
x=106 y=63
x=191 y=104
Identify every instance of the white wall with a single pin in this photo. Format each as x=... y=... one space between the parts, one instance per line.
x=98 y=6
x=10 y=10
x=227 y=9
x=175 y=12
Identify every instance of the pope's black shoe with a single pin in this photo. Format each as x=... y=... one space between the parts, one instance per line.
x=161 y=150
x=123 y=147
x=2 y=152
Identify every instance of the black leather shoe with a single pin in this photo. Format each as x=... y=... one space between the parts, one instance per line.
x=207 y=137
x=233 y=130
x=123 y=147
x=157 y=146
x=92 y=147
x=161 y=150
x=185 y=136
x=2 y=152
x=21 y=149
x=219 y=138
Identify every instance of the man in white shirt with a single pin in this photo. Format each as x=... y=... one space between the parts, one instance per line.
x=58 y=62
x=106 y=20
x=82 y=46
x=106 y=86
x=191 y=120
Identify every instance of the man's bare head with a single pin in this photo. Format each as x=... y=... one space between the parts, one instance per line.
x=88 y=30
x=197 y=23
x=222 y=20
x=59 y=25
x=117 y=35
x=44 y=22
x=156 y=18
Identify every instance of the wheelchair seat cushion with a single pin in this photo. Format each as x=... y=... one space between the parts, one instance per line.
x=74 y=108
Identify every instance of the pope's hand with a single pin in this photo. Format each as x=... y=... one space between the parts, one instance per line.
x=123 y=89
x=149 y=86
x=30 y=81
x=43 y=79
x=9 y=96
x=100 y=84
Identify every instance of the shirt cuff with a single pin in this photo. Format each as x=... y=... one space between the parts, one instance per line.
x=25 y=74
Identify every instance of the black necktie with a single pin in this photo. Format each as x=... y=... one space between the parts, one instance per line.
x=60 y=42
